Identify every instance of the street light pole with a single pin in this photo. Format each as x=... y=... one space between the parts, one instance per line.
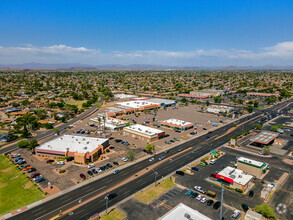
x=106 y=198
x=156 y=173
x=222 y=195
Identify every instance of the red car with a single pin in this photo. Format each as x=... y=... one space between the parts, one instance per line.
x=50 y=161
x=34 y=175
x=82 y=176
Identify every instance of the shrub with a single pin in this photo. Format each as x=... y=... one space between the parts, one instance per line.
x=107 y=150
x=265 y=210
x=62 y=171
x=239 y=190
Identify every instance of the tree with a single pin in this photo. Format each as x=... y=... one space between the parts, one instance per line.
x=217 y=99
x=23 y=143
x=25 y=102
x=266 y=211
x=130 y=155
x=249 y=109
x=150 y=147
x=255 y=104
x=257 y=126
x=276 y=127
x=32 y=145
x=266 y=149
x=48 y=125
x=41 y=114
x=207 y=103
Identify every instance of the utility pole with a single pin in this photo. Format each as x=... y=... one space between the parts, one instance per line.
x=222 y=195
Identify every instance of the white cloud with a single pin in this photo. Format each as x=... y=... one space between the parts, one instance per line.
x=281 y=53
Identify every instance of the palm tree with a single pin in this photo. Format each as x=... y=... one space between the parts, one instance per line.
x=104 y=128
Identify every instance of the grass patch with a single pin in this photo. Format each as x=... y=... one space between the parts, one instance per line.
x=78 y=103
x=153 y=192
x=114 y=214
x=16 y=189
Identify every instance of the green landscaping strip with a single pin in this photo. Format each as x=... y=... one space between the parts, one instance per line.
x=16 y=189
x=114 y=214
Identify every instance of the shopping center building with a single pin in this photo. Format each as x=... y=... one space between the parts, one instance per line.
x=252 y=167
x=80 y=147
x=177 y=124
x=142 y=132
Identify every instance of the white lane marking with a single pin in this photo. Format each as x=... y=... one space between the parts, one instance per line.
x=60 y=208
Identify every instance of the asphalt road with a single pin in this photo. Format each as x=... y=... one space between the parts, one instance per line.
x=199 y=147
x=45 y=134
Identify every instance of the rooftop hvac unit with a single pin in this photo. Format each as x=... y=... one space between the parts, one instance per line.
x=87 y=142
x=85 y=148
x=186 y=215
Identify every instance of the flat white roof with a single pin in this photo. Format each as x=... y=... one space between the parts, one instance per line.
x=178 y=122
x=143 y=129
x=74 y=143
x=238 y=176
x=160 y=101
x=136 y=104
x=220 y=107
x=181 y=212
x=124 y=96
x=250 y=161
x=109 y=120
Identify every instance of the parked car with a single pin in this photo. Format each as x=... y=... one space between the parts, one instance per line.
x=213 y=162
x=211 y=194
x=94 y=171
x=204 y=129
x=180 y=149
x=210 y=202
x=37 y=177
x=199 y=197
x=112 y=195
x=91 y=166
x=20 y=162
x=251 y=193
x=15 y=155
x=189 y=192
x=34 y=175
x=166 y=151
x=161 y=158
x=167 y=142
x=167 y=135
x=202 y=163
x=90 y=172
x=172 y=141
x=60 y=163
x=179 y=172
x=124 y=159
x=27 y=168
x=194 y=168
x=235 y=214
x=105 y=167
x=116 y=163
x=192 y=133
x=194 y=195
x=118 y=140
x=102 y=168
x=176 y=139
x=151 y=159
x=203 y=200
x=18 y=159
x=82 y=176
x=116 y=171
x=183 y=137
x=207 y=137
x=32 y=170
x=217 y=205
x=50 y=161
x=98 y=170
x=38 y=180
x=109 y=165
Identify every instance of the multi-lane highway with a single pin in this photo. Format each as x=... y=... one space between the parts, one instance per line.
x=43 y=135
x=194 y=149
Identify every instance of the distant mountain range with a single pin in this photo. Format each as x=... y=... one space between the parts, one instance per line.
x=78 y=67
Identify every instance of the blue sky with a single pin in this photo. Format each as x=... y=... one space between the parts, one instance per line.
x=183 y=32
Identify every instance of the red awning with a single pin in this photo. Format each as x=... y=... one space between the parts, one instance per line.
x=229 y=180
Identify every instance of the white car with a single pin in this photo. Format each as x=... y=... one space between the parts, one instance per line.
x=15 y=155
x=60 y=163
x=197 y=188
x=199 y=197
x=98 y=170
x=151 y=159
x=203 y=200
x=124 y=159
x=213 y=162
x=235 y=214
x=91 y=166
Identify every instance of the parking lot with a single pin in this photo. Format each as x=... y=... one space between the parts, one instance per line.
x=231 y=197
x=166 y=202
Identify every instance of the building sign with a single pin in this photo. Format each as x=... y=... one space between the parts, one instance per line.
x=233 y=142
x=229 y=180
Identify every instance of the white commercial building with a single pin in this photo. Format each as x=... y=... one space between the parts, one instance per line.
x=137 y=104
x=184 y=212
x=75 y=146
x=143 y=132
x=112 y=124
x=236 y=178
x=124 y=96
x=219 y=109
x=177 y=124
